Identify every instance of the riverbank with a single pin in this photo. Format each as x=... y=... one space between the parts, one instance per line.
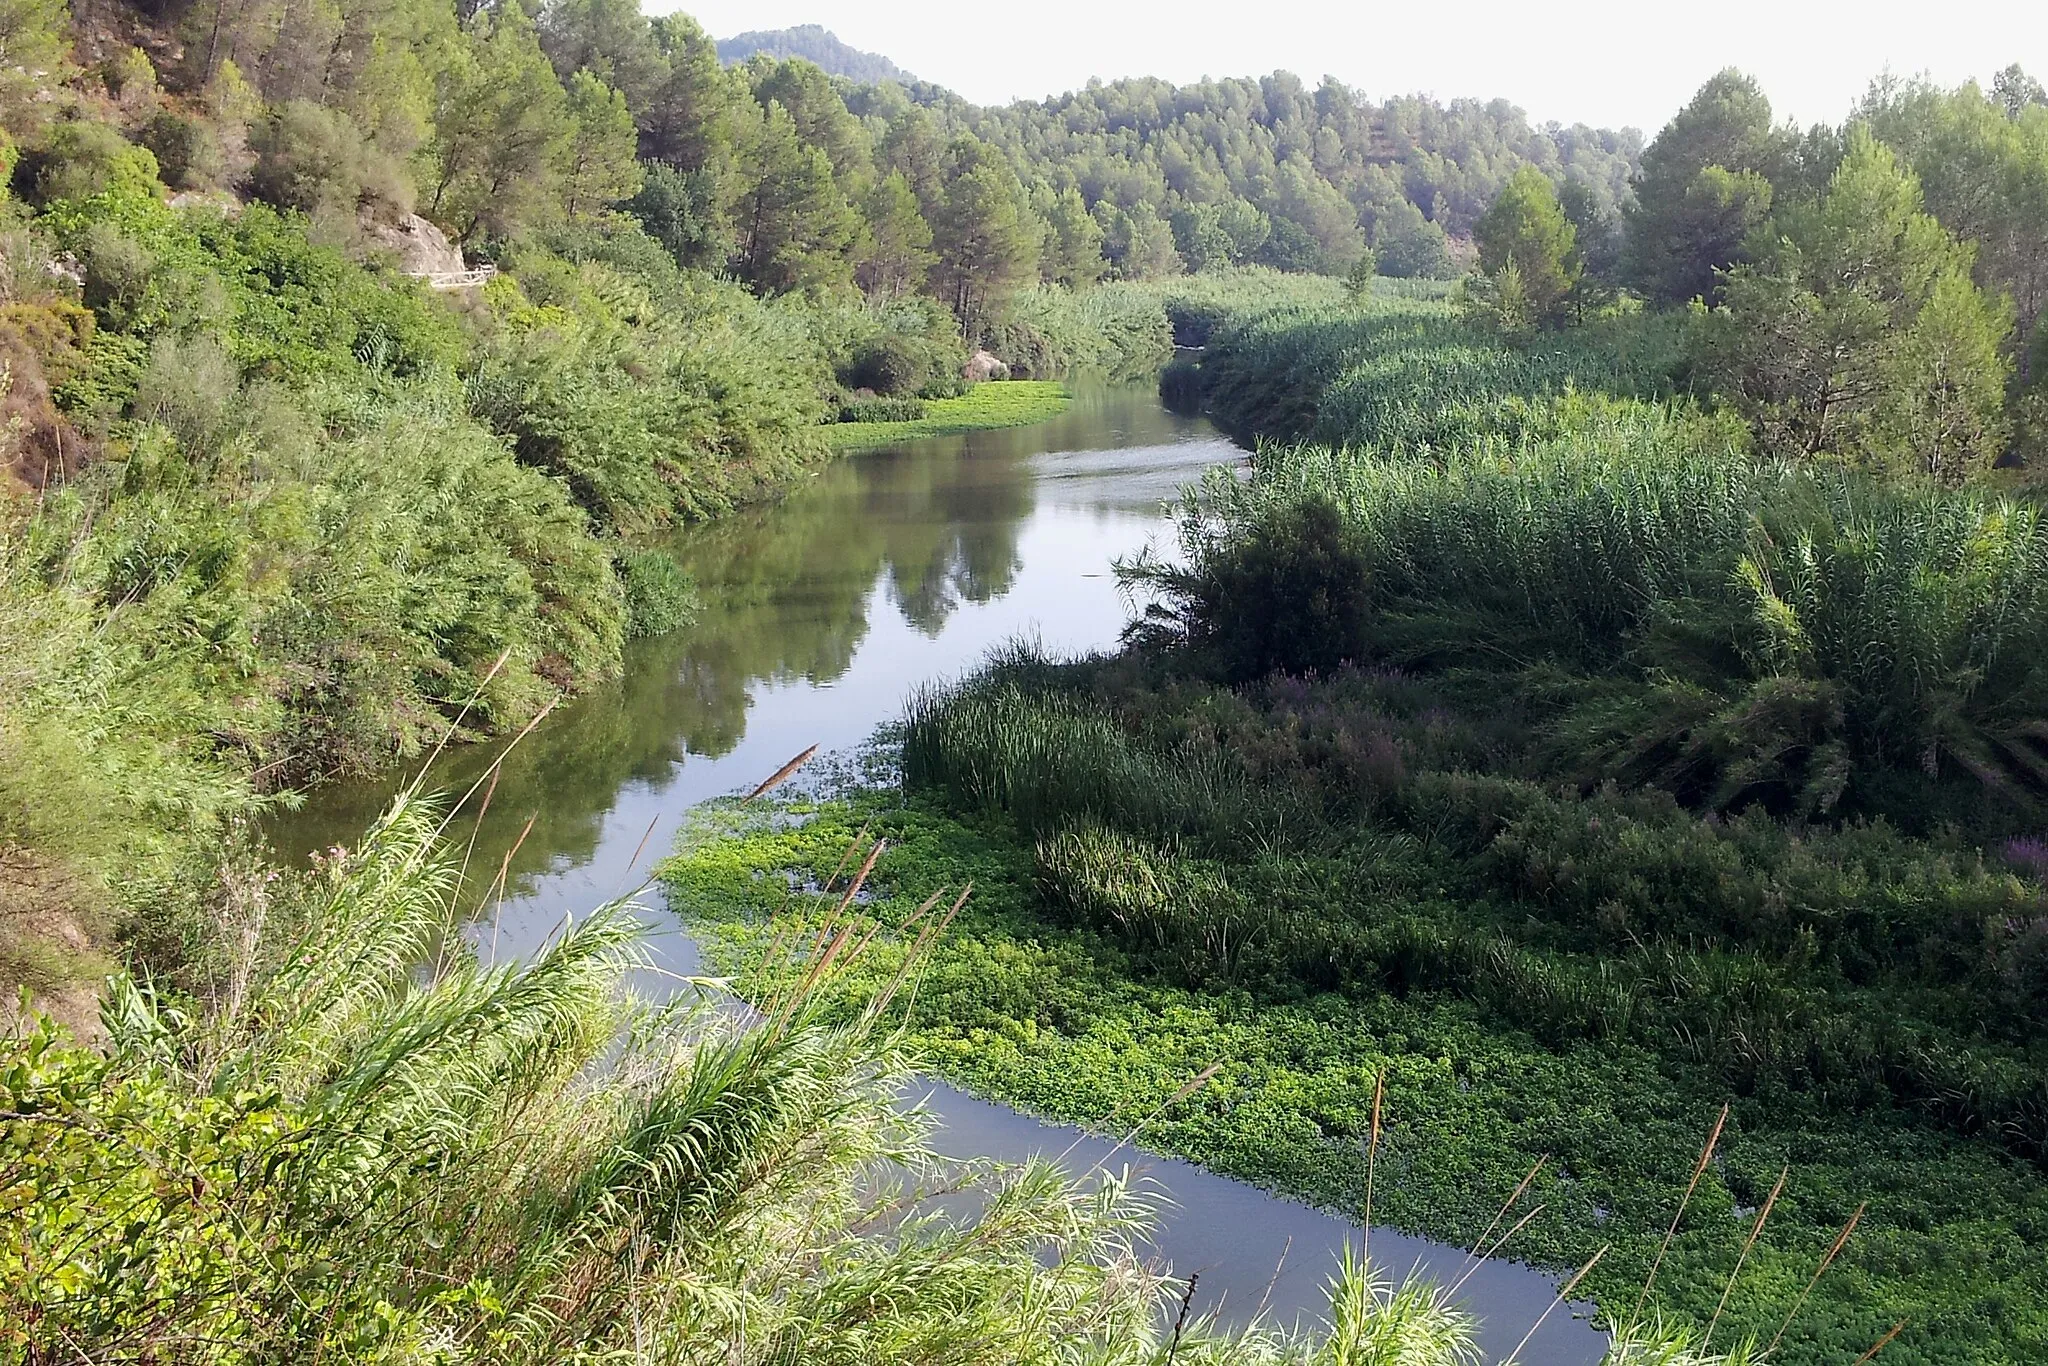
x=1037 y=1009
x=985 y=407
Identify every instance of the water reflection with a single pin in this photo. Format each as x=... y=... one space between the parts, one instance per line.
x=821 y=612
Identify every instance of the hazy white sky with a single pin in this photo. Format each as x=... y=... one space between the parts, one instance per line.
x=1604 y=62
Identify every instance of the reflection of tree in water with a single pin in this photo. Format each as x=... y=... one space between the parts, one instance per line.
x=785 y=592
x=977 y=565
x=565 y=776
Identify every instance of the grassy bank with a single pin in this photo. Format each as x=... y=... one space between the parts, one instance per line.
x=985 y=407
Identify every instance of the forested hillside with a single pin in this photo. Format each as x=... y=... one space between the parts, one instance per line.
x=1269 y=170
x=816 y=45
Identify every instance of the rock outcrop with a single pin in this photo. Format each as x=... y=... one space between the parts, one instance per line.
x=984 y=365
x=421 y=248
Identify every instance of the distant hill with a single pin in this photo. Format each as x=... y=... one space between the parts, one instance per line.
x=813 y=43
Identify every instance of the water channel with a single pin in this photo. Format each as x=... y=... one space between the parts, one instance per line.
x=820 y=614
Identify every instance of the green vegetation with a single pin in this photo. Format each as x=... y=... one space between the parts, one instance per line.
x=1859 y=331
x=1270 y=172
x=1015 y=403
x=358 y=1140
x=1418 y=375
x=1635 y=700
x=1566 y=743
x=1091 y=973
x=1528 y=254
x=292 y=513
x=332 y=1153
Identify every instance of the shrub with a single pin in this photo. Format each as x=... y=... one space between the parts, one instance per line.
x=187 y=386
x=119 y=272
x=894 y=349
x=187 y=150
x=659 y=594
x=1290 y=595
x=891 y=365
x=654 y=400
x=310 y=157
x=130 y=78
x=679 y=209
x=79 y=160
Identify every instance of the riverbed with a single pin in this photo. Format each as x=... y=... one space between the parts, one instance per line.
x=820 y=614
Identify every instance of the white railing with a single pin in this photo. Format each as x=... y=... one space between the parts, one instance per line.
x=458 y=279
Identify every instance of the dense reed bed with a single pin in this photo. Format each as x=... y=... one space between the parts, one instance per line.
x=1413 y=373
x=1732 y=631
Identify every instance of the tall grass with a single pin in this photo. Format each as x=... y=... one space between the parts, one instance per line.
x=1410 y=374
x=1050 y=761
x=1128 y=329
x=368 y=1144
x=1733 y=630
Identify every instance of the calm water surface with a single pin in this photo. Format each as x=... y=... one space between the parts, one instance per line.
x=821 y=614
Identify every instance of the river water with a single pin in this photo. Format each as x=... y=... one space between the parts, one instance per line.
x=820 y=614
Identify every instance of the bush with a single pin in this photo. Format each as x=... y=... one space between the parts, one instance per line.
x=895 y=349
x=1119 y=330
x=679 y=209
x=890 y=365
x=311 y=158
x=654 y=399
x=188 y=151
x=1289 y=595
x=119 y=273
x=130 y=78
x=187 y=386
x=80 y=160
x=659 y=594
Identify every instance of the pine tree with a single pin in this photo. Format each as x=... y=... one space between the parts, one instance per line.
x=1858 y=331
x=1527 y=228
x=985 y=241
x=688 y=120
x=900 y=251
x=1073 y=243
x=598 y=167
x=1705 y=185
x=794 y=228
x=610 y=39
x=501 y=128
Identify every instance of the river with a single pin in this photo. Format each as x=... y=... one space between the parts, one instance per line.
x=820 y=614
